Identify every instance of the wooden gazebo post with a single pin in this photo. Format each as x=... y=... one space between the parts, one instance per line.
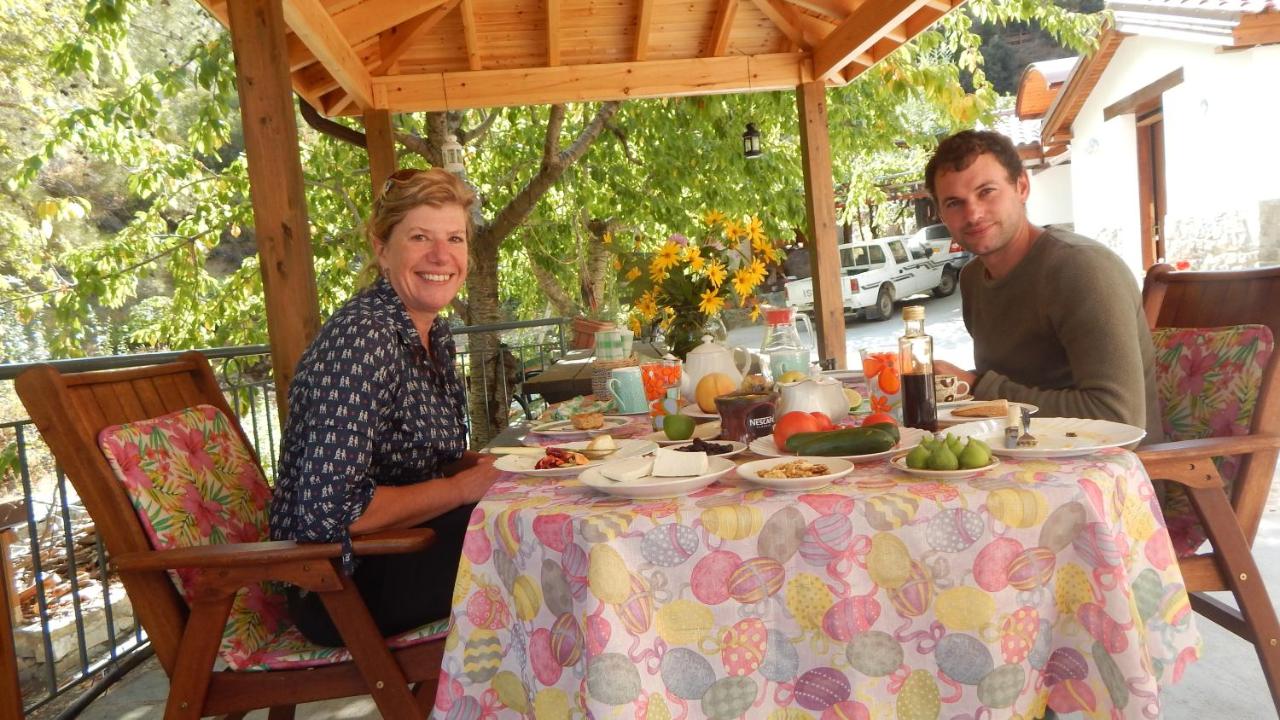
x=275 y=184
x=819 y=199
x=380 y=142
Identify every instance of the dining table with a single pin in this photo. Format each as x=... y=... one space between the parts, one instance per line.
x=1042 y=582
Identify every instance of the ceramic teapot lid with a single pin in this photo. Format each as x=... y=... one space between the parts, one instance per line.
x=707 y=347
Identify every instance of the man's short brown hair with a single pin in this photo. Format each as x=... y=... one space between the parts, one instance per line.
x=960 y=150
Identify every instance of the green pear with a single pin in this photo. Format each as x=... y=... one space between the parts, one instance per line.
x=973 y=456
x=918 y=458
x=982 y=445
x=943 y=459
x=953 y=444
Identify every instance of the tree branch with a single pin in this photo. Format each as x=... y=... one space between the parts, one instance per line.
x=415 y=144
x=519 y=207
x=472 y=135
x=325 y=126
x=551 y=142
x=622 y=138
x=551 y=287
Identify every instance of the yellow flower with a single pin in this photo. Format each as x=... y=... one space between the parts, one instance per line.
x=692 y=252
x=647 y=306
x=607 y=239
x=755 y=312
x=633 y=273
x=617 y=264
x=657 y=273
x=698 y=264
x=755 y=231
x=711 y=302
x=668 y=256
x=634 y=324
x=733 y=230
x=757 y=271
x=716 y=273
x=743 y=281
x=712 y=217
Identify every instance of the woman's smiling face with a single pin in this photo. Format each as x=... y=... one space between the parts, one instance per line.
x=424 y=258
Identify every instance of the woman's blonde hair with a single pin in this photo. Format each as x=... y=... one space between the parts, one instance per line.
x=405 y=190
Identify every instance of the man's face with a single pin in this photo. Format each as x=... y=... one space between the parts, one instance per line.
x=981 y=206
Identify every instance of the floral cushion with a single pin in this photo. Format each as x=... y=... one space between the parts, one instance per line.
x=1207 y=380
x=193 y=482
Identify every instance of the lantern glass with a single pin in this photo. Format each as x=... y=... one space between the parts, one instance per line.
x=453 y=155
x=751 y=142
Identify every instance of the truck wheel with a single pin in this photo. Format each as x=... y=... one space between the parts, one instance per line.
x=883 y=309
x=947 y=285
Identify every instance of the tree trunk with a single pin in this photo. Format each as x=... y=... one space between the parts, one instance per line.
x=489 y=378
x=594 y=273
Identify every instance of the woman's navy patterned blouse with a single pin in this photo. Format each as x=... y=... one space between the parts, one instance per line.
x=367 y=407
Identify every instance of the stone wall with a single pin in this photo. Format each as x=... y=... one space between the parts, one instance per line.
x=1225 y=240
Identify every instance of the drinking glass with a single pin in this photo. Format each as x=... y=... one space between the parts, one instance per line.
x=884 y=380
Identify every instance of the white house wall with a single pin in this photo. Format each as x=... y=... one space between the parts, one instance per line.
x=1050 y=200
x=1221 y=153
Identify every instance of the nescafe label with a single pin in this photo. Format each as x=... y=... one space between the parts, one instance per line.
x=760 y=420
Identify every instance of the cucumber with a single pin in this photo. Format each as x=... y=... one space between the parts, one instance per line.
x=889 y=428
x=849 y=441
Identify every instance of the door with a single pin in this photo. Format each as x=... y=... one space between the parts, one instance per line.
x=1151 y=196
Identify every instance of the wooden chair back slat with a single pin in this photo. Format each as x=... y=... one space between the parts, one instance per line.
x=70 y=411
x=1190 y=299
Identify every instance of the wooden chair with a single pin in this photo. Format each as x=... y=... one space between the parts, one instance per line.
x=70 y=411
x=1181 y=299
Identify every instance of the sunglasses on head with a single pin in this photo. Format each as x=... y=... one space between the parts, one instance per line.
x=400 y=176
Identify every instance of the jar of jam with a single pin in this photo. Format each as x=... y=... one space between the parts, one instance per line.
x=746 y=416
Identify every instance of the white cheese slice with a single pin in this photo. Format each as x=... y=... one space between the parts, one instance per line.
x=674 y=463
x=629 y=470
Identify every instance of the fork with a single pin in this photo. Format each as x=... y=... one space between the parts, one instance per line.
x=1026 y=439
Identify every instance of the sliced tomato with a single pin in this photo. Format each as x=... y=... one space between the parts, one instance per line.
x=823 y=420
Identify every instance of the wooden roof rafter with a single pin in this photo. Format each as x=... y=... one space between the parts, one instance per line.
x=360 y=22
x=318 y=31
x=472 y=36
x=722 y=27
x=865 y=26
x=785 y=18
x=553 y=33
x=644 y=24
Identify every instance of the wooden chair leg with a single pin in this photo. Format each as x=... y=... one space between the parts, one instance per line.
x=1241 y=571
x=189 y=685
x=387 y=684
x=425 y=694
x=281 y=712
x=10 y=690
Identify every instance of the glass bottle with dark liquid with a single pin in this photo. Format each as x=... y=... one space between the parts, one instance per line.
x=915 y=355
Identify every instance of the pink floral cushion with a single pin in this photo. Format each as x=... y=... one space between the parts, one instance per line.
x=1207 y=380
x=193 y=482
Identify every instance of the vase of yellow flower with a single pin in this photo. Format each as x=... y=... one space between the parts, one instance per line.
x=682 y=289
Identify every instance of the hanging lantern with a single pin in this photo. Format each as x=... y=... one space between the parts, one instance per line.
x=452 y=151
x=751 y=142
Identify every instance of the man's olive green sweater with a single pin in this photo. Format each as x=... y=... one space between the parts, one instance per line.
x=1064 y=331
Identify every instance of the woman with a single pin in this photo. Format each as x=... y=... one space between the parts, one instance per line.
x=376 y=433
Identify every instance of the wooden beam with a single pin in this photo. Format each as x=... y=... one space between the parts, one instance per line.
x=857 y=34
x=831 y=8
x=394 y=42
x=361 y=22
x=785 y=18
x=315 y=28
x=553 y=33
x=10 y=688
x=643 y=22
x=820 y=204
x=1139 y=99
x=469 y=33
x=1257 y=28
x=583 y=83
x=275 y=185
x=722 y=27
x=380 y=142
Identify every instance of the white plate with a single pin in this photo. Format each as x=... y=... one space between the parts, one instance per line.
x=900 y=463
x=1051 y=436
x=565 y=427
x=910 y=437
x=957 y=401
x=946 y=410
x=523 y=464
x=751 y=472
x=694 y=411
x=735 y=447
x=656 y=487
x=706 y=431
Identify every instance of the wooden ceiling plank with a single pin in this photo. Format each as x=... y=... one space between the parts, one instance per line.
x=643 y=22
x=942 y=6
x=553 y=33
x=722 y=27
x=317 y=30
x=919 y=22
x=831 y=8
x=586 y=83
x=785 y=18
x=398 y=39
x=361 y=22
x=472 y=36
x=860 y=32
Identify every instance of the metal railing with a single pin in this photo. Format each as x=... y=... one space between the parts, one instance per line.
x=77 y=623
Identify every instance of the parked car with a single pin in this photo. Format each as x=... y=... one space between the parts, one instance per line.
x=943 y=249
x=876 y=273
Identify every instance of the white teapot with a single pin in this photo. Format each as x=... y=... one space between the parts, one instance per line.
x=821 y=394
x=707 y=358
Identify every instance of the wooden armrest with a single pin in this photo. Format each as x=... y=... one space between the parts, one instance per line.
x=274 y=552
x=1207 y=447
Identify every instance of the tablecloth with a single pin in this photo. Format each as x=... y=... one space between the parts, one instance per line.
x=880 y=596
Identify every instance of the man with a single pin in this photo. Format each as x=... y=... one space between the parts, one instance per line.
x=1056 y=318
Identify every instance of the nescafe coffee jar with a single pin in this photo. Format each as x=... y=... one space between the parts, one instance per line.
x=746 y=416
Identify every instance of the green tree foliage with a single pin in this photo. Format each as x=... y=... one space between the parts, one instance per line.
x=140 y=95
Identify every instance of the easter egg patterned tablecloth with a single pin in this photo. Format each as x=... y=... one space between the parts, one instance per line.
x=1043 y=582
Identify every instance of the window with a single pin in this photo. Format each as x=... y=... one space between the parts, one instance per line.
x=877 y=255
x=937 y=232
x=899 y=252
x=852 y=257
x=920 y=252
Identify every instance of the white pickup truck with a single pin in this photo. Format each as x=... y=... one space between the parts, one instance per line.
x=876 y=273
